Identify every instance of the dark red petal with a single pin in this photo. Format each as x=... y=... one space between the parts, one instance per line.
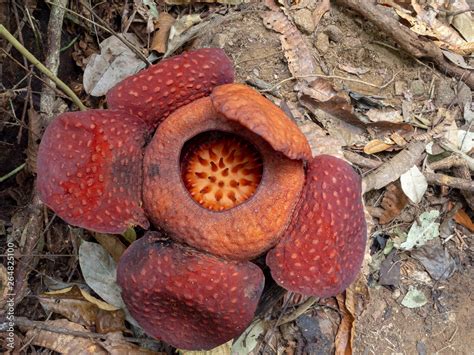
x=90 y=169
x=153 y=93
x=323 y=248
x=186 y=298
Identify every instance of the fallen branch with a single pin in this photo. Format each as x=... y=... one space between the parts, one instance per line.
x=450 y=181
x=407 y=39
x=392 y=169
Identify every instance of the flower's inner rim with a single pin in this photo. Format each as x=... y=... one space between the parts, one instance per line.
x=220 y=170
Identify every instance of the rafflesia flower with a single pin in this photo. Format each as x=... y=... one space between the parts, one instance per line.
x=227 y=176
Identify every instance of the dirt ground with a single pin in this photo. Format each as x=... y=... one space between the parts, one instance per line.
x=444 y=325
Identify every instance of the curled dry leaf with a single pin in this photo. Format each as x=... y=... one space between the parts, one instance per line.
x=414 y=184
x=64 y=343
x=393 y=202
x=99 y=271
x=160 y=38
x=321 y=93
x=463 y=219
x=376 y=146
x=426 y=24
x=224 y=349
x=300 y=60
x=80 y=307
x=116 y=344
x=392 y=169
x=182 y=30
x=346 y=331
x=112 y=244
x=187 y=2
x=114 y=63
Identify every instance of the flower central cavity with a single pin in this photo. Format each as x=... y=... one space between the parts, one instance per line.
x=221 y=170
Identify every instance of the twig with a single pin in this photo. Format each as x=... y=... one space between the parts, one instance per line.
x=104 y=26
x=447 y=163
x=27 y=323
x=332 y=77
x=450 y=181
x=392 y=169
x=298 y=311
x=13 y=172
x=359 y=160
x=51 y=61
x=32 y=59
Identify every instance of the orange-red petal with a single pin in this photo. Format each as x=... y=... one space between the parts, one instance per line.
x=323 y=248
x=90 y=169
x=240 y=103
x=188 y=299
x=153 y=93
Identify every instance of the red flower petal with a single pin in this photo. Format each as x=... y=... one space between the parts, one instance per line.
x=154 y=93
x=323 y=248
x=186 y=298
x=90 y=169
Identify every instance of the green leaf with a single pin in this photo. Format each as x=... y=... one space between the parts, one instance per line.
x=414 y=299
x=130 y=235
x=248 y=340
x=419 y=234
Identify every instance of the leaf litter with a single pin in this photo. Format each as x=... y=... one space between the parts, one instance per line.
x=326 y=135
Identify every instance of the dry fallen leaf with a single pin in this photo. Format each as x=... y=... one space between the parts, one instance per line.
x=393 y=202
x=80 y=307
x=160 y=38
x=463 y=218
x=64 y=343
x=300 y=59
x=112 y=244
x=414 y=184
x=376 y=146
x=187 y=2
x=115 y=63
x=345 y=333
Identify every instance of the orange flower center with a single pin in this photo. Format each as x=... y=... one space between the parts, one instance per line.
x=223 y=172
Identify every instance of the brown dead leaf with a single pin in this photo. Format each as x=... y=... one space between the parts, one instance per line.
x=115 y=344
x=376 y=146
x=392 y=169
x=300 y=60
x=160 y=38
x=80 y=307
x=321 y=93
x=323 y=7
x=393 y=202
x=112 y=244
x=463 y=219
x=353 y=70
x=187 y=2
x=4 y=286
x=346 y=331
x=64 y=343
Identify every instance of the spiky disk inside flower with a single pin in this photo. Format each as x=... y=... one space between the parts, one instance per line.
x=153 y=93
x=241 y=232
x=186 y=298
x=90 y=169
x=222 y=172
x=323 y=248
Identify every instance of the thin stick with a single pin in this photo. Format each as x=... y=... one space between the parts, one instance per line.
x=13 y=172
x=32 y=59
x=332 y=77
